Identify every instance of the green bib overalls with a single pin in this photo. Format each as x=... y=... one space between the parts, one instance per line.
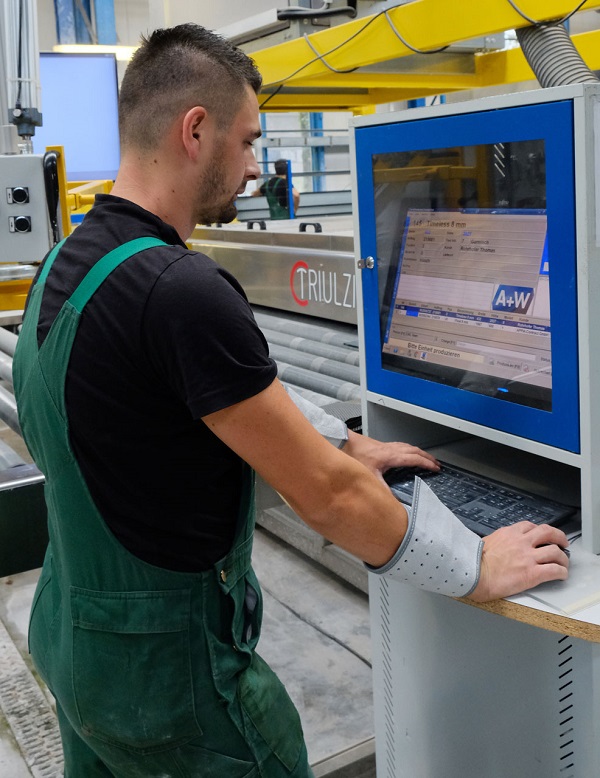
x=154 y=671
x=276 y=210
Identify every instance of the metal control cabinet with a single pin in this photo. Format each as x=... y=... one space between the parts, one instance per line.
x=459 y=692
x=25 y=234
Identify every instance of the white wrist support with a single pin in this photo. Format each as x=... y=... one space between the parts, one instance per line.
x=331 y=428
x=438 y=553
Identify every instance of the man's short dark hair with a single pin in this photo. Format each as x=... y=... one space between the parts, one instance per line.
x=281 y=167
x=174 y=70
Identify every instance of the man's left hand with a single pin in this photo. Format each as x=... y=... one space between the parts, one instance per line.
x=379 y=457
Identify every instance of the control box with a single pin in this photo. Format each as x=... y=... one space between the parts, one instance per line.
x=25 y=232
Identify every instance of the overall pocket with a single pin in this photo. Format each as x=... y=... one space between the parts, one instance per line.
x=271 y=711
x=131 y=667
x=249 y=618
x=241 y=612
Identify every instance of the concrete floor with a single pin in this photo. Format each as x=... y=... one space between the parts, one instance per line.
x=315 y=635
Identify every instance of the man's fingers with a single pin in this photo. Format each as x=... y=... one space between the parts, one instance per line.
x=544 y=555
x=544 y=533
x=549 y=572
x=404 y=455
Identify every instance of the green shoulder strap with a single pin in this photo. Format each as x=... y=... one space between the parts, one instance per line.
x=104 y=267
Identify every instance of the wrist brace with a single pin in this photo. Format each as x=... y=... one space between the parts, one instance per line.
x=438 y=553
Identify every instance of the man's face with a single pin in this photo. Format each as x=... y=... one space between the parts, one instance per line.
x=232 y=165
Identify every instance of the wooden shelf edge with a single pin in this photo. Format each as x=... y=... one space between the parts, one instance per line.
x=564 y=625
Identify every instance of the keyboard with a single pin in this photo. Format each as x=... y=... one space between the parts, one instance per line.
x=482 y=504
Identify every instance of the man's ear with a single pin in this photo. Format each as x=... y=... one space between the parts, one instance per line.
x=191 y=130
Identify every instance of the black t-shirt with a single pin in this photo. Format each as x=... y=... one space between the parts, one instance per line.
x=279 y=187
x=167 y=339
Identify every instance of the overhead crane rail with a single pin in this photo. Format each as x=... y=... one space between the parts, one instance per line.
x=364 y=62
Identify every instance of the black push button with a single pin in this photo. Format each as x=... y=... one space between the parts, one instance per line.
x=17 y=195
x=19 y=224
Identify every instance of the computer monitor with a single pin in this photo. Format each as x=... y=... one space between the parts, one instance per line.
x=471 y=309
x=471 y=303
x=80 y=112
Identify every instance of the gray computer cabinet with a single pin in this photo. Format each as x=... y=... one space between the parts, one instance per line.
x=462 y=692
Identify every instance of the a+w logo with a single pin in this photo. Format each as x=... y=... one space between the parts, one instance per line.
x=512 y=299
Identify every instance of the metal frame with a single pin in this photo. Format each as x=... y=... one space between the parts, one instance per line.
x=385 y=416
x=459 y=691
x=384 y=70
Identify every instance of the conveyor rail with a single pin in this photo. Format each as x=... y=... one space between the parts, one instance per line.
x=320 y=357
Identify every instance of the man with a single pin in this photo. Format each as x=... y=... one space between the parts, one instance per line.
x=146 y=394
x=275 y=189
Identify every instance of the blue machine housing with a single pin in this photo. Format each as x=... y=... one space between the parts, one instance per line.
x=553 y=123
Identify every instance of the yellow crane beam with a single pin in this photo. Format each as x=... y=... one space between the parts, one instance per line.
x=438 y=83
x=345 y=101
x=304 y=73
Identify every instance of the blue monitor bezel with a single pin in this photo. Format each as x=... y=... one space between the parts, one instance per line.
x=553 y=123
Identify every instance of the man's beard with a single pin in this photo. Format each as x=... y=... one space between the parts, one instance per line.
x=211 y=186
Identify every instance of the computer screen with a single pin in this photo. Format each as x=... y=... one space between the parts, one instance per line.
x=80 y=112
x=471 y=308
x=471 y=303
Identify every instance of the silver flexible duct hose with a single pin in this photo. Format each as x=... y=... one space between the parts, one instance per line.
x=552 y=56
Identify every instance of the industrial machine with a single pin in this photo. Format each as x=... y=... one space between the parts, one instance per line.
x=29 y=219
x=299 y=277
x=30 y=224
x=302 y=17
x=477 y=317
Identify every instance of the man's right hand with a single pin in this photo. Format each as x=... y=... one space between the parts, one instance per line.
x=520 y=557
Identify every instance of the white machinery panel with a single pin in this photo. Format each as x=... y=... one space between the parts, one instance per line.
x=25 y=234
x=461 y=693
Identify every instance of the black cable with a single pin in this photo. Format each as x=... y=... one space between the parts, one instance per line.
x=51 y=186
x=541 y=24
x=566 y=19
x=523 y=15
x=298 y=12
x=320 y=57
x=408 y=46
x=326 y=54
x=323 y=60
x=272 y=95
